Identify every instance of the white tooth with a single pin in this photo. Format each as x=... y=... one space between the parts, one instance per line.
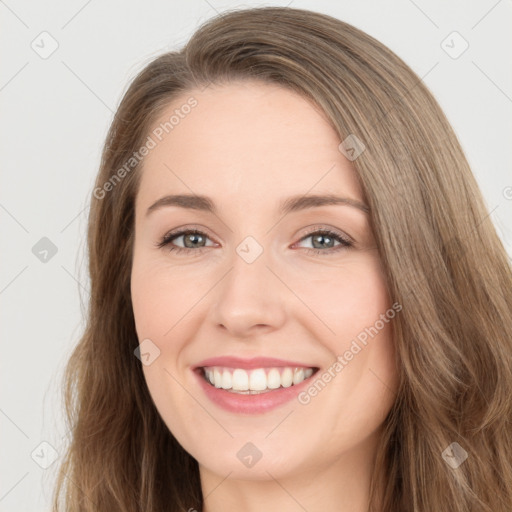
x=240 y=380
x=298 y=375
x=308 y=372
x=258 y=380
x=273 y=379
x=209 y=375
x=227 y=381
x=217 y=377
x=287 y=378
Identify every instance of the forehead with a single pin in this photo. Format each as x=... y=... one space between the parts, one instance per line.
x=245 y=140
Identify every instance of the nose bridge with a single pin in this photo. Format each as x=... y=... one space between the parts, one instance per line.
x=249 y=294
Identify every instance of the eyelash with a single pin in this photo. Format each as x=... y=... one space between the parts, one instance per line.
x=345 y=242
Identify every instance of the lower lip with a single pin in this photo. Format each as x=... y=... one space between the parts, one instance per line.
x=250 y=404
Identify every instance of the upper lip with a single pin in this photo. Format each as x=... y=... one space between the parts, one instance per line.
x=254 y=362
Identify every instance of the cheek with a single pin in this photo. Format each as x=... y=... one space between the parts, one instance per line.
x=356 y=316
x=152 y=307
x=158 y=305
x=161 y=296
x=346 y=299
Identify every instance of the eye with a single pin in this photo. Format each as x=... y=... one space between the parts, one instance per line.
x=326 y=238
x=192 y=238
x=323 y=241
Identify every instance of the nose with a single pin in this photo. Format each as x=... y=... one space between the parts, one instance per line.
x=249 y=299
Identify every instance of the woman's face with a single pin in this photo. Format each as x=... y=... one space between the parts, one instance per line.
x=260 y=296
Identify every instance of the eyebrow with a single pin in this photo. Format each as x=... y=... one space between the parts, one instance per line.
x=292 y=204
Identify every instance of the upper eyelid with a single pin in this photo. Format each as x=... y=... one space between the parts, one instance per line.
x=311 y=230
x=185 y=231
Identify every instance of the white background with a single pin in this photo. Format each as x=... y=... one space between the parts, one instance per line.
x=55 y=116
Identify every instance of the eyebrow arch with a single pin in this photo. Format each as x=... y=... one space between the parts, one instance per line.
x=292 y=204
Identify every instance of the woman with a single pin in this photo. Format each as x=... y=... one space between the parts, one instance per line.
x=298 y=301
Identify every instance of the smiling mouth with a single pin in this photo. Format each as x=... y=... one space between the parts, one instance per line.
x=257 y=380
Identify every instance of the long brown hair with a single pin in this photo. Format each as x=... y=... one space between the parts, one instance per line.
x=443 y=261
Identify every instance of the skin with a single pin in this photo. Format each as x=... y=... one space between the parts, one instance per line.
x=248 y=146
